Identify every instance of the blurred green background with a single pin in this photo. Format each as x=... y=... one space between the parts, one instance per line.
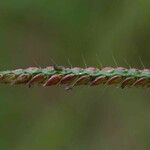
x=32 y=33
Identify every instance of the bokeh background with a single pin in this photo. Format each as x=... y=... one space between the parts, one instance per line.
x=74 y=32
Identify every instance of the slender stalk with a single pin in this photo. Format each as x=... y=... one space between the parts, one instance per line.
x=70 y=77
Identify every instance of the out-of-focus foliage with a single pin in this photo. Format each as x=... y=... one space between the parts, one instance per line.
x=32 y=33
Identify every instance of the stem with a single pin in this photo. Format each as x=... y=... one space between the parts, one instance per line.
x=70 y=77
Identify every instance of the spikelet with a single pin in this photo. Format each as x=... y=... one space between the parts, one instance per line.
x=70 y=77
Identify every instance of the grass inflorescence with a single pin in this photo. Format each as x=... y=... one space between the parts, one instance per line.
x=70 y=77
